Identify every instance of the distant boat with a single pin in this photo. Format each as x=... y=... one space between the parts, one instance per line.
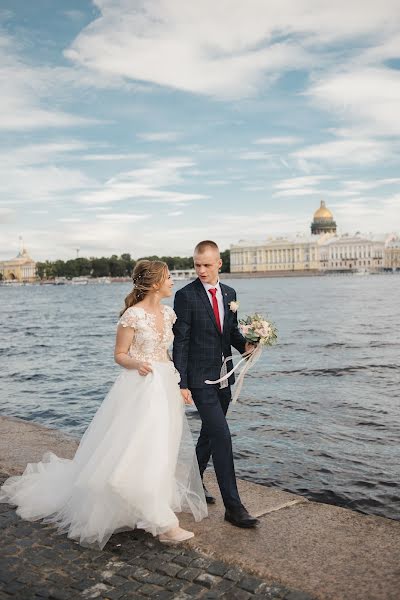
x=79 y=281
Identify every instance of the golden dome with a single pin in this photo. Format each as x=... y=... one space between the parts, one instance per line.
x=323 y=212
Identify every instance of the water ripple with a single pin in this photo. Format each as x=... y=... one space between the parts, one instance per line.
x=319 y=415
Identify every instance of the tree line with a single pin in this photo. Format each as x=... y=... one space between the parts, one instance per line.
x=113 y=266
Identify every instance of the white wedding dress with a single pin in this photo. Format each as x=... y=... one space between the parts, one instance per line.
x=135 y=465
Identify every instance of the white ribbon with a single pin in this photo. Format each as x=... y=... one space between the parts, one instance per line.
x=250 y=357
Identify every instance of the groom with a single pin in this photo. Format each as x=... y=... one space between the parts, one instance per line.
x=205 y=329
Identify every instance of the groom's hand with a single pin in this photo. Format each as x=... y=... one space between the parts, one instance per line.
x=249 y=347
x=187 y=396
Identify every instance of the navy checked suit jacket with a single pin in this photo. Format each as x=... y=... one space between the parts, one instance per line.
x=198 y=344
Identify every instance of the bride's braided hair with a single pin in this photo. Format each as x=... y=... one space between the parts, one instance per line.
x=146 y=274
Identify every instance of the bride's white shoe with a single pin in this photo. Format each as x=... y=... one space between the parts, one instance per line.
x=176 y=535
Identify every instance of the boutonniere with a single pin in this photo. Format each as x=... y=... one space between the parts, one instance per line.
x=234 y=305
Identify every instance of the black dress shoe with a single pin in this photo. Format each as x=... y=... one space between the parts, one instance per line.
x=240 y=517
x=209 y=499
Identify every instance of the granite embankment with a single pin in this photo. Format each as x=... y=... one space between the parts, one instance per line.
x=301 y=550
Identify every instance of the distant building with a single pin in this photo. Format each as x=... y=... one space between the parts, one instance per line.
x=392 y=254
x=297 y=253
x=20 y=268
x=352 y=253
x=323 y=221
x=182 y=274
x=322 y=251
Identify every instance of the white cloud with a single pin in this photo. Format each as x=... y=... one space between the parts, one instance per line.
x=386 y=48
x=32 y=94
x=24 y=87
x=368 y=98
x=224 y=229
x=307 y=185
x=161 y=136
x=70 y=220
x=254 y=155
x=217 y=182
x=392 y=206
x=122 y=218
x=17 y=113
x=222 y=49
x=112 y=157
x=297 y=182
x=255 y=188
x=35 y=184
x=95 y=237
x=365 y=185
x=283 y=140
x=41 y=153
x=298 y=192
x=367 y=214
x=6 y=214
x=37 y=172
x=204 y=46
x=105 y=236
x=361 y=151
x=95 y=209
x=146 y=183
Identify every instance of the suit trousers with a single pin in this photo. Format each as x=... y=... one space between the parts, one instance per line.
x=215 y=440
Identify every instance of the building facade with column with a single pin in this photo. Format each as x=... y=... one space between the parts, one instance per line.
x=322 y=251
x=297 y=253
x=20 y=268
x=353 y=253
x=392 y=254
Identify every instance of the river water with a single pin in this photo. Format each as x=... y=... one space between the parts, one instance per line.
x=319 y=415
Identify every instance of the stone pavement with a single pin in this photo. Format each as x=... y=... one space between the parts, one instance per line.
x=327 y=552
x=36 y=562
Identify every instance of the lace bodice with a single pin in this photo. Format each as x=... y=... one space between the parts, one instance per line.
x=149 y=344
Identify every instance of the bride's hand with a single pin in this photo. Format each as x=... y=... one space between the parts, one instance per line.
x=144 y=368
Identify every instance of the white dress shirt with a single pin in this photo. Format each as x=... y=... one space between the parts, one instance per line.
x=220 y=300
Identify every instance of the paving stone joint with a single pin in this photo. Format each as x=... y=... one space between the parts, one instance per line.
x=38 y=563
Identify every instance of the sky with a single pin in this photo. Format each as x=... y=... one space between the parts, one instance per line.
x=147 y=126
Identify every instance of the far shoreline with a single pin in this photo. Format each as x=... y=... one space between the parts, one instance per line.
x=223 y=276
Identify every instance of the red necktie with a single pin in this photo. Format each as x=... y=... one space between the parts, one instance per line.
x=213 y=292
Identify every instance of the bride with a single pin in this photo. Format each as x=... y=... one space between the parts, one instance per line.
x=135 y=465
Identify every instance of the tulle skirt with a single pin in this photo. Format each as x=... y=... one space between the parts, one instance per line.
x=135 y=466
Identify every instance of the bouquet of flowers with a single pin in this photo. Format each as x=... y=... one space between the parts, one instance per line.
x=256 y=330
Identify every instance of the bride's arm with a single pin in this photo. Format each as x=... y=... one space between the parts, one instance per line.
x=123 y=342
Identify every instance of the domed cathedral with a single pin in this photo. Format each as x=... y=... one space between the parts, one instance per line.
x=323 y=221
x=322 y=251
